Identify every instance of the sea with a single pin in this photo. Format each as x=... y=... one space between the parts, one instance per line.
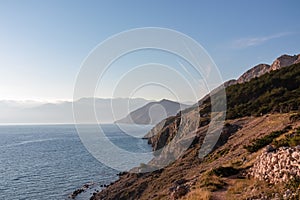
x=48 y=162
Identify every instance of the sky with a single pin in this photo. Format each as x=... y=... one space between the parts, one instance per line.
x=44 y=43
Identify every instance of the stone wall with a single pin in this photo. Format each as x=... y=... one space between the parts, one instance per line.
x=277 y=166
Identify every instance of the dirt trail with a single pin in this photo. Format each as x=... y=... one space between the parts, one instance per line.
x=221 y=194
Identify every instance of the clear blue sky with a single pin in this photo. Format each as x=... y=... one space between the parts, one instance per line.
x=43 y=43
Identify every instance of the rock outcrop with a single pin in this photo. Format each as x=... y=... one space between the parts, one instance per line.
x=261 y=69
x=284 y=61
x=278 y=166
x=254 y=72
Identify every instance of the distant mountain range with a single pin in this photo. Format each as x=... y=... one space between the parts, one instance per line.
x=90 y=110
x=106 y=110
x=153 y=112
x=109 y=110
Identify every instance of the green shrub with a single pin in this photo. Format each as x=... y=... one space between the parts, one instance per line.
x=291 y=140
x=264 y=141
x=278 y=91
x=295 y=117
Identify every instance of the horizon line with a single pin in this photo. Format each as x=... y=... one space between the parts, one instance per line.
x=72 y=100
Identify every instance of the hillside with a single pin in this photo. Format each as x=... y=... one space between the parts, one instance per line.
x=153 y=112
x=256 y=72
x=277 y=91
x=220 y=174
x=260 y=112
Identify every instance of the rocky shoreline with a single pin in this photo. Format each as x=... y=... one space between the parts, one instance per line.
x=87 y=190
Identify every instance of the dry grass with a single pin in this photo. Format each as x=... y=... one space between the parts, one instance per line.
x=235 y=188
x=198 y=194
x=239 y=187
x=212 y=182
x=250 y=188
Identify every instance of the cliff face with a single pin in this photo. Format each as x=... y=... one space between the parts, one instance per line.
x=161 y=134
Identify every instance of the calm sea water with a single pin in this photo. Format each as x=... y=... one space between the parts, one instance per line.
x=50 y=162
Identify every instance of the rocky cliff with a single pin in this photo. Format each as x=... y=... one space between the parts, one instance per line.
x=284 y=61
x=261 y=69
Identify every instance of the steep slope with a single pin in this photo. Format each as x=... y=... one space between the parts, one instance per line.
x=257 y=71
x=221 y=175
x=258 y=112
x=277 y=91
x=153 y=112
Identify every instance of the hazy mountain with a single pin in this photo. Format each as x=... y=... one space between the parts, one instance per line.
x=105 y=110
x=153 y=112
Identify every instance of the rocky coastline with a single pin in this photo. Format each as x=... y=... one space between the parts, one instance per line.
x=232 y=169
x=223 y=169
